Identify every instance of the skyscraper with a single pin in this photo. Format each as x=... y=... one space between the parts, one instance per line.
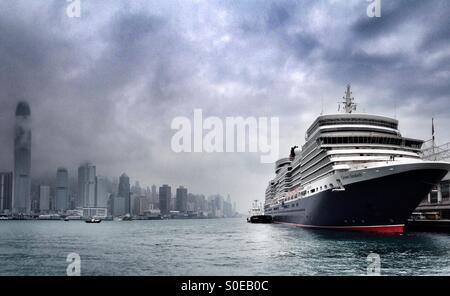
x=6 y=184
x=155 y=199
x=124 y=191
x=86 y=185
x=44 y=198
x=118 y=206
x=102 y=192
x=140 y=205
x=181 y=199
x=62 y=190
x=22 y=159
x=165 y=196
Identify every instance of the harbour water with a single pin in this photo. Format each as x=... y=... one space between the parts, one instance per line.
x=212 y=247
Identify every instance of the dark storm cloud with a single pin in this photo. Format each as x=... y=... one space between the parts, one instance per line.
x=105 y=87
x=394 y=14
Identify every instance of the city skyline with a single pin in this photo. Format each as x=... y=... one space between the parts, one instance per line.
x=93 y=193
x=105 y=87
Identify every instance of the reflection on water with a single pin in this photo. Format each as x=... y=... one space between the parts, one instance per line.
x=212 y=247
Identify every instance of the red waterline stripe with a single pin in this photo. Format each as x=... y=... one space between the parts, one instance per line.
x=371 y=228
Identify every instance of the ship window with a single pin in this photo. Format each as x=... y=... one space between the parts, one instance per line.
x=320 y=187
x=325 y=186
x=313 y=190
x=331 y=185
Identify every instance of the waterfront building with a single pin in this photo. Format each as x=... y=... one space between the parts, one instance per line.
x=136 y=189
x=44 y=198
x=118 y=206
x=86 y=185
x=62 y=190
x=181 y=199
x=165 y=196
x=155 y=199
x=216 y=205
x=98 y=212
x=436 y=205
x=6 y=192
x=22 y=160
x=102 y=192
x=124 y=191
x=141 y=205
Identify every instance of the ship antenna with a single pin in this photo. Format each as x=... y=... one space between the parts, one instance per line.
x=348 y=103
x=321 y=112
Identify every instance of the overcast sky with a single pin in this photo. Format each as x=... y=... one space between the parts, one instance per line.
x=105 y=87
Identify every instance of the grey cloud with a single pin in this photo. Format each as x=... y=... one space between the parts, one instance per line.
x=105 y=87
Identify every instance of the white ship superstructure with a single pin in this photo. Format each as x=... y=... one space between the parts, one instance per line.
x=341 y=150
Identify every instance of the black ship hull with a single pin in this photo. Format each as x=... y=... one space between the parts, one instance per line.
x=381 y=204
x=263 y=219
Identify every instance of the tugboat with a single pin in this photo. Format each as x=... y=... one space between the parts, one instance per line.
x=92 y=220
x=256 y=214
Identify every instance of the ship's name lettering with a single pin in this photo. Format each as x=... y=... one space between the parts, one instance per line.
x=352 y=176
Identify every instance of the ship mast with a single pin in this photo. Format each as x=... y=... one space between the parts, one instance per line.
x=348 y=103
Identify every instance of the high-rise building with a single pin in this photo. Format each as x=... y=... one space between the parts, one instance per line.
x=6 y=191
x=216 y=205
x=62 y=190
x=181 y=199
x=141 y=205
x=118 y=206
x=86 y=185
x=165 y=196
x=102 y=192
x=44 y=198
x=124 y=191
x=136 y=189
x=155 y=199
x=22 y=160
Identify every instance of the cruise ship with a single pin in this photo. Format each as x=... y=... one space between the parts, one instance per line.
x=354 y=172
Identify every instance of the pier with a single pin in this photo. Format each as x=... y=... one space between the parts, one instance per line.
x=433 y=213
x=428 y=225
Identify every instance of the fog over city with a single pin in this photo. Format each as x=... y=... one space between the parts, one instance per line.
x=106 y=86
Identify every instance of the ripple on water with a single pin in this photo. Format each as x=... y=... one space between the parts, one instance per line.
x=211 y=247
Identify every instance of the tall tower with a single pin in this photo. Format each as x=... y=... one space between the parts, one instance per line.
x=22 y=160
x=62 y=189
x=86 y=185
x=181 y=199
x=124 y=191
x=155 y=199
x=165 y=196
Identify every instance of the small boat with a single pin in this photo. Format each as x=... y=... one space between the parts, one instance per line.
x=256 y=214
x=93 y=220
x=266 y=219
x=127 y=217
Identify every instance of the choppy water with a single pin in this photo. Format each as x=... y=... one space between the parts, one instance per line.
x=212 y=247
